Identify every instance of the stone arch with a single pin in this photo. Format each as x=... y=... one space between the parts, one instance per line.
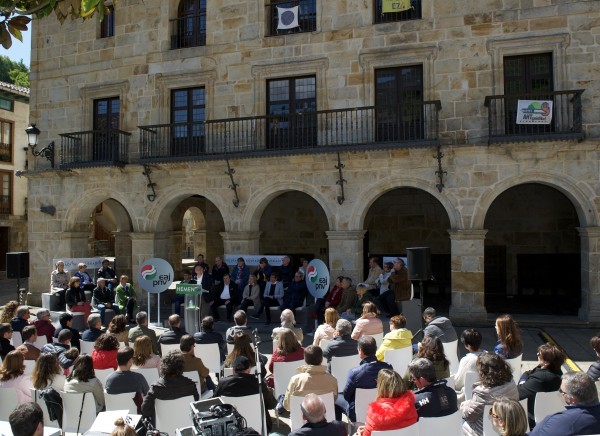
x=375 y=190
x=578 y=194
x=254 y=210
x=79 y=212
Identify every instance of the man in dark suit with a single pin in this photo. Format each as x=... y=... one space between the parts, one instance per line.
x=313 y=414
x=203 y=277
x=178 y=299
x=174 y=335
x=224 y=293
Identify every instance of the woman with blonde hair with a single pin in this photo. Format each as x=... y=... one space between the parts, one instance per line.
x=327 y=329
x=118 y=327
x=369 y=323
x=12 y=376
x=288 y=350
x=48 y=373
x=508 y=417
x=9 y=312
x=122 y=429
x=143 y=357
x=394 y=407
x=509 y=343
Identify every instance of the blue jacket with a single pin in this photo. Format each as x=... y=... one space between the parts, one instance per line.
x=278 y=295
x=362 y=377
x=574 y=420
x=235 y=275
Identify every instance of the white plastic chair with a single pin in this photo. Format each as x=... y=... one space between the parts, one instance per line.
x=210 y=355
x=450 y=382
x=362 y=399
x=515 y=365
x=165 y=348
x=72 y=404
x=296 y=420
x=378 y=338
x=40 y=341
x=102 y=374
x=8 y=402
x=229 y=371
x=471 y=377
x=29 y=366
x=150 y=374
x=194 y=376
x=450 y=425
x=413 y=430
x=547 y=403
x=249 y=407
x=47 y=422
x=16 y=339
x=120 y=402
x=282 y=373
x=86 y=347
x=399 y=358
x=173 y=414
x=451 y=352
x=341 y=366
x=324 y=342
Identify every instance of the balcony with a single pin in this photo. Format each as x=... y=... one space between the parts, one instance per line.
x=188 y=31
x=308 y=132
x=94 y=148
x=566 y=118
x=307 y=16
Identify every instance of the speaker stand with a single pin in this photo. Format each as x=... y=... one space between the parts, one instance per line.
x=421 y=298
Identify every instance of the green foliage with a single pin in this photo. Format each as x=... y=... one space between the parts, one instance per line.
x=13 y=72
x=20 y=78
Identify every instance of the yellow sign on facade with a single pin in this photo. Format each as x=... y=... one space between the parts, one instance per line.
x=395 y=5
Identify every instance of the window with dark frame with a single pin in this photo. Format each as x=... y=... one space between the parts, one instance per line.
x=6 y=141
x=190 y=25
x=107 y=25
x=414 y=13
x=5 y=192
x=305 y=14
x=399 y=103
x=107 y=113
x=188 y=114
x=291 y=108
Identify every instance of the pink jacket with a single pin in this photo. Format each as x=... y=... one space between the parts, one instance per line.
x=367 y=324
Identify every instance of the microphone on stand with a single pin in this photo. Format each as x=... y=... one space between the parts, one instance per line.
x=255 y=338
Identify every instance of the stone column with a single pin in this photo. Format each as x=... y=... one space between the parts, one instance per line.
x=123 y=253
x=199 y=243
x=590 y=273
x=467 y=272
x=241 y=242
x=75 y=244
x=346 y=253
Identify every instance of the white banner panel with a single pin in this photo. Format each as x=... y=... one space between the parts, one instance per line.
x=252 y=259
x=534 y=111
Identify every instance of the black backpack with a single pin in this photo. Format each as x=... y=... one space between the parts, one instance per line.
x=53 y=402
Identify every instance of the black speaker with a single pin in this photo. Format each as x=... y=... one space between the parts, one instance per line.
x=17 y=265
x=419 y=263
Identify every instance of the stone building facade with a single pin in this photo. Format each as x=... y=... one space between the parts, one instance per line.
x=307 y=140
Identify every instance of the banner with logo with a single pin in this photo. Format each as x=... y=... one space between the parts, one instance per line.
x=155 y=275
x=187 y=289
x=389 y=6
x=317 y=278
x=534 y=111
x=252 y=259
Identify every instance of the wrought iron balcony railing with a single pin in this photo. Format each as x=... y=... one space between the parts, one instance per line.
x=306 y=16
x=566 y=122
x=188 y=31
x=307 y=132
x=94 y=148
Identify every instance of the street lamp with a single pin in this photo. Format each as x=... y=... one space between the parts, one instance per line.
x=32 y=139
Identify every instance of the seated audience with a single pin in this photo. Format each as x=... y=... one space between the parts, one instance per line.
x=125 y=297
x=242 y=347
x=103 y=298
x=240 y=325
x=143 y=357
x=118 y=327
x=62 y=349
x=288 y=350
x=363 y=376
x=312 y=378
x=327 y=329
x=288 y=322
x=369 y=323
x=48 y=373
x=545 y=377
x=66 y=322
x=386 y=299
x=75 y=298
x=594 y=369
x=86 y=280
x=59 y=282
x=272 y=297
x=508 y=417
x=171 y=385
x=224 y=293
x=83 y=379
x=374 y=273
x=104 y=355
x=251 y=294
x=94 y=330
x=240 y=273
x=394 y=407
x=27 y=420
x=21 y=319
x=398 y=337
x=471 y=339
x=43 y=324
x=176 y=332
x=6 y=333
x=313 y=414
x=193 y=363
x=124 y=380
x=108 y=274
x=509 y=344
x=348 y=297
x=582 y=412
x=331 y=299
x=431 y=348
x=495 y=382
x=438 y=326
x=356 y=310
x=295 y=294
x=243 y=383
x=433 y=397
x=29 y=350
x=209 y=336
x=12 y=375
x=142 y=329
x=9 y=312
x=342 y=344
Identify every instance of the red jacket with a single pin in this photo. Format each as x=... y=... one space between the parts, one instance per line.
x=391 y=413
x=334 y=296
x=104 y=359
x=44 y=327
x=277 y=357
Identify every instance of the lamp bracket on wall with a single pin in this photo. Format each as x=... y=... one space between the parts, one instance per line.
x=151 y=184
x=230 y=172
x=440 y=173
x=341 y=180
x=47 y=152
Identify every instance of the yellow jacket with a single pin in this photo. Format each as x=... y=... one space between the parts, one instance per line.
x=395 y=339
